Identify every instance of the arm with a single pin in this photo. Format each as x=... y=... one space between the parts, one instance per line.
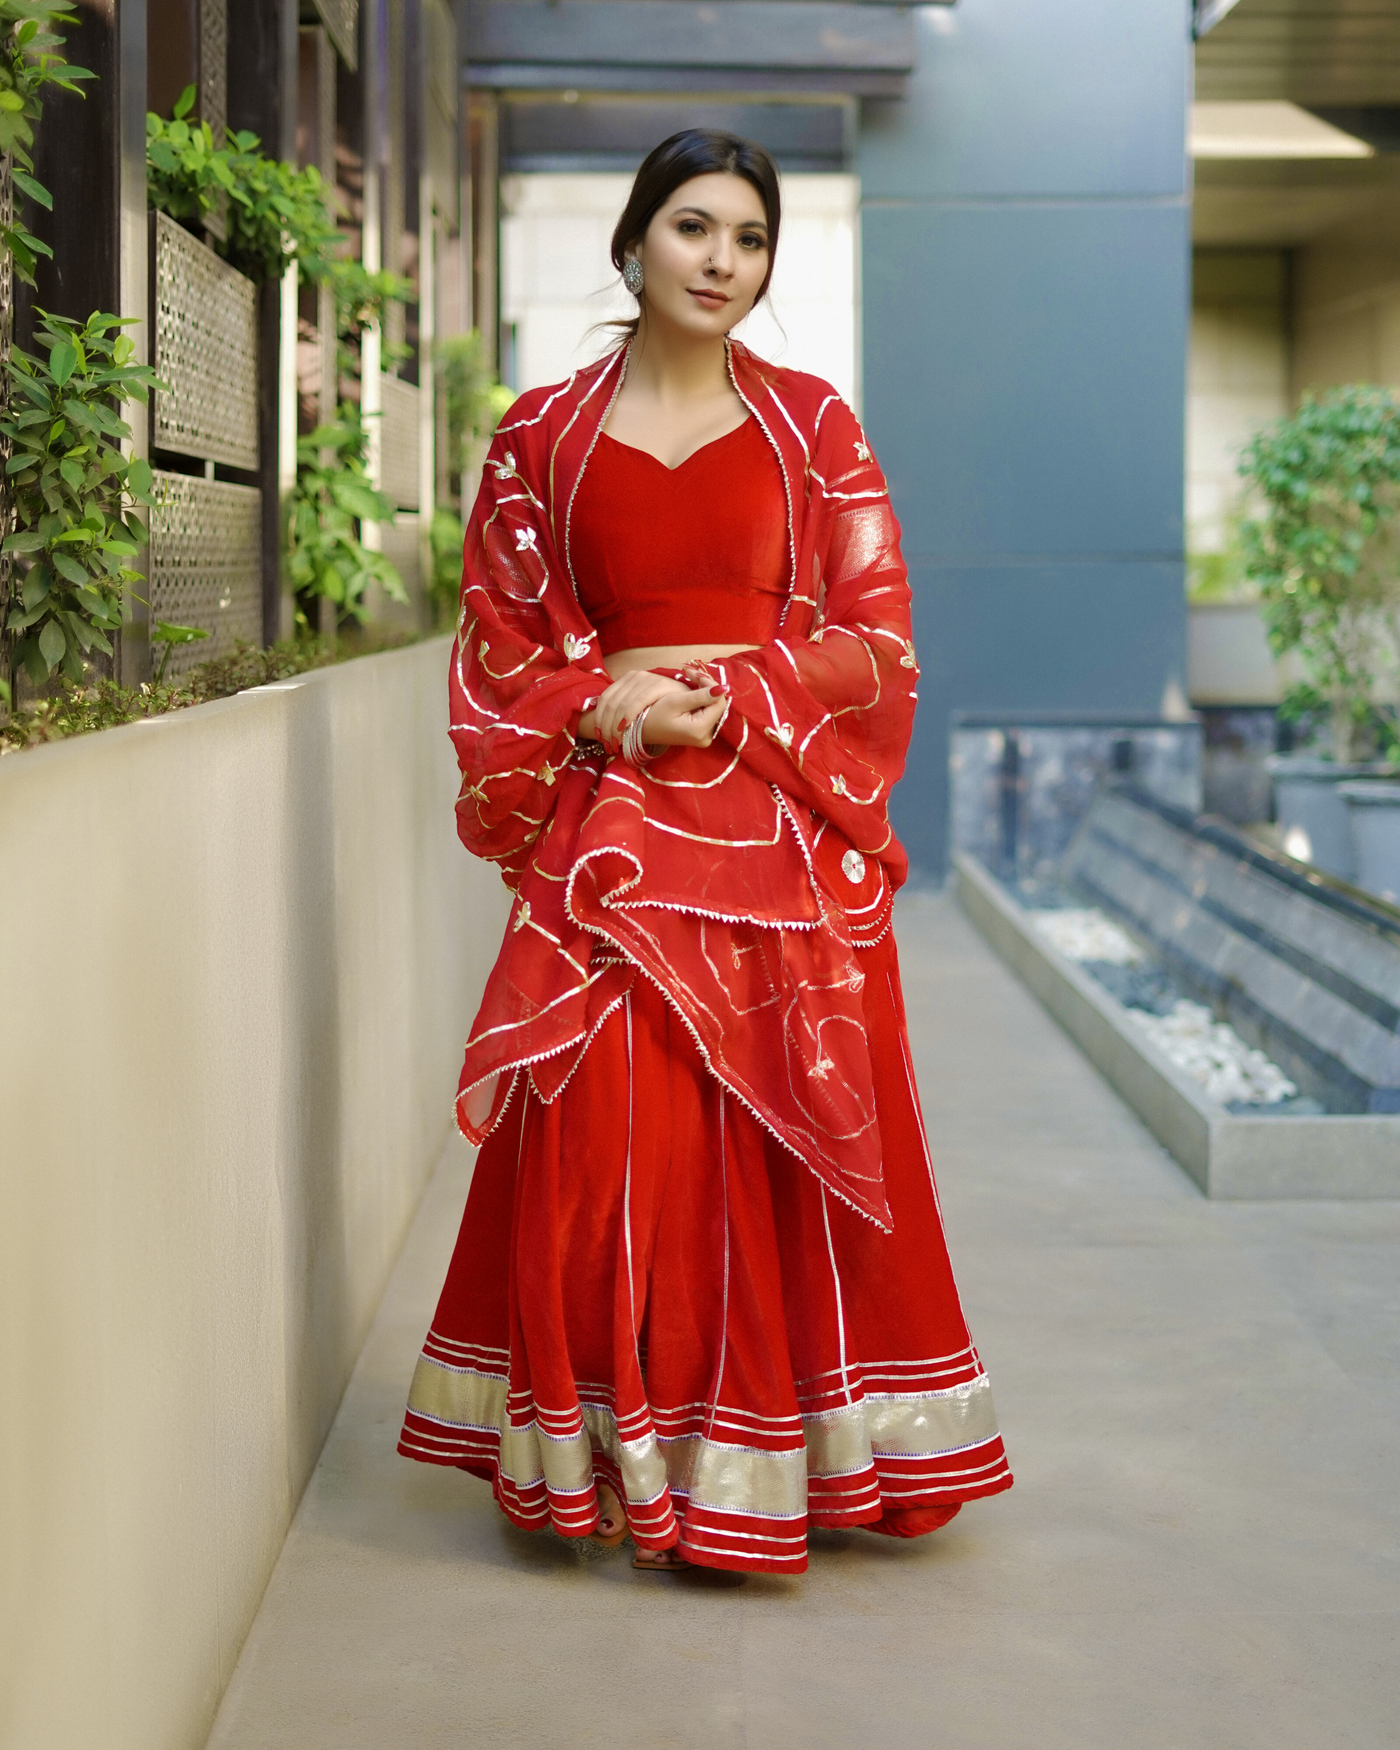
x=516 y=700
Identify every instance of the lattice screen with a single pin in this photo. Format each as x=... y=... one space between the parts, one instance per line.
x=206 y=564
x=399 y=445
x=213 y=66
x=342 y=19
x=206 y=348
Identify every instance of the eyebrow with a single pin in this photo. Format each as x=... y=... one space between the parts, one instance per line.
x=745 y=225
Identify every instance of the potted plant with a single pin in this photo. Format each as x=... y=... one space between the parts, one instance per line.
x=1323 y=553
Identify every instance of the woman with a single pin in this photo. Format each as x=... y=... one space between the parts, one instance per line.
x=701 y=1290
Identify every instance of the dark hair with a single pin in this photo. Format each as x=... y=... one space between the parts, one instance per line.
x=697 y=152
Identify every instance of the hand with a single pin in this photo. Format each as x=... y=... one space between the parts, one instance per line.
x=685 y=719
x=678 y=715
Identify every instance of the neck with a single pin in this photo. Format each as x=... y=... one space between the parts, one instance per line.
x=672 y=366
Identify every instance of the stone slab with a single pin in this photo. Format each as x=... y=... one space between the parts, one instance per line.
x=1201 y=1402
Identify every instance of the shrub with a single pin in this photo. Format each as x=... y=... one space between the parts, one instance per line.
x=73 y=491
x=1324 y=554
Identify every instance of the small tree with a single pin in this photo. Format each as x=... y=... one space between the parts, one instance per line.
x=1324 y=554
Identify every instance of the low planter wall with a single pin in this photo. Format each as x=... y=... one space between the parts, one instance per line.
x=242 y=947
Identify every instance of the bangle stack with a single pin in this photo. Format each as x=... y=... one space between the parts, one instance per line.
x=634 y=747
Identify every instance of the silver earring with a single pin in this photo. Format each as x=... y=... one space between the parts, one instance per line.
x=632 y=275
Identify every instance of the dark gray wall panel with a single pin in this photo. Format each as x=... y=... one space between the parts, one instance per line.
x=1024 y=374
x=1090 y=638
x=1039 y=97
x=618 y=135
x=1025 y=256
x=676 y=33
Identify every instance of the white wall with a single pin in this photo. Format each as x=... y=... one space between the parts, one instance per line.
x=557 y=280
x=241 y=951
x=1237 y=379
x=1347 y=310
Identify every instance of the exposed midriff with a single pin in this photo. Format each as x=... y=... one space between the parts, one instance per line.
x=682 y=556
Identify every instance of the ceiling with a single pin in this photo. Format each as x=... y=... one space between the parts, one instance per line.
x=1316 y=52
x=1338 y=58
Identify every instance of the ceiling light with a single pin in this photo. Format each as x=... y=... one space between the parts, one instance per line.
x=1268 y=130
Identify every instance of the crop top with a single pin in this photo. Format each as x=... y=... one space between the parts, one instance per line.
x=688 y=555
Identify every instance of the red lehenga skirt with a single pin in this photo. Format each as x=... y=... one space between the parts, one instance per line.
x=649 y=1290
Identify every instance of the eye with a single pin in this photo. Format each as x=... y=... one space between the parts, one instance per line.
x=752 y=240
x=691 y=228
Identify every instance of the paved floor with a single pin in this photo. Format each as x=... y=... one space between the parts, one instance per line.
x=1201 y=1402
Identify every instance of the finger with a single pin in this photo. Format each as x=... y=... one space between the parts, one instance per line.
x=701 y=698
x=698 y=727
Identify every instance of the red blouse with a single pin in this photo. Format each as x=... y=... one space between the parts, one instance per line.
x=682 y=555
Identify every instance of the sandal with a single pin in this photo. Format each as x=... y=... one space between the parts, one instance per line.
x=660 y=1561
x=610 y=1514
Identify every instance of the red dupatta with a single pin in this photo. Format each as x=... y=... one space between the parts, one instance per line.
x=739 y=878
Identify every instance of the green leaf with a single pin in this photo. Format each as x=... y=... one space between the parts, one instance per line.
x=167 y=632
x=52 y=645
x=139 y=477
x=66 y=566
x=22 y=541
x=33 y=188
x=27 y=655
x=92 y=605
x=79 y=414
x=22 y=617
x=63 y=361
x=362 y=501
x=35 y=587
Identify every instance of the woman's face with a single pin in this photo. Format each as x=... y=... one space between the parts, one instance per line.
x=705 y=255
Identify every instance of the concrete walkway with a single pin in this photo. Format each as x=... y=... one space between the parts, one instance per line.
x=1201 y=1403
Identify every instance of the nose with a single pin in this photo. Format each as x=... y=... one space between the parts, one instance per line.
x=722 y=256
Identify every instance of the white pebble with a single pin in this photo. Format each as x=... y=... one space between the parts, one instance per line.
x=1213 y=1054
x=1087 y=935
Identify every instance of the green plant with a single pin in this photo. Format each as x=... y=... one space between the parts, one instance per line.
x=332 y=495
x=103 y=703
x=1324 y=554
x=29 y=61
x=169 y=634
x=361 y=297
x=1222 y=576
x=446 y=537
x=474 y=398
x=73 y=491
x=276 y=214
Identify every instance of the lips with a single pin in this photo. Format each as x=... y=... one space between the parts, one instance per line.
x=711 y=300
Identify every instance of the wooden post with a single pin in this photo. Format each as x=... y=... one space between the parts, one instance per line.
x=262 y=97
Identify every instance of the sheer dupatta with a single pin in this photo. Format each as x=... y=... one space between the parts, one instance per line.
x=741 y=879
